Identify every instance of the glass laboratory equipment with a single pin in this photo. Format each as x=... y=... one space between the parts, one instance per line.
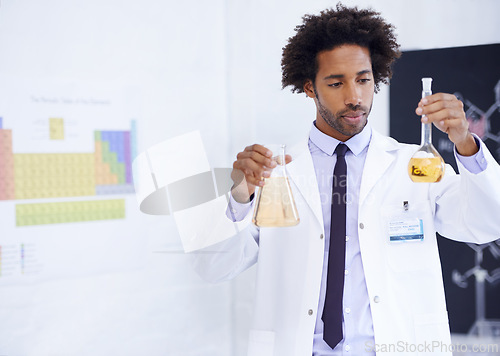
x=274 y=205
x=426 y=165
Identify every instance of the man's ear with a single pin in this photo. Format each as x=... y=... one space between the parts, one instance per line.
x=309 y=89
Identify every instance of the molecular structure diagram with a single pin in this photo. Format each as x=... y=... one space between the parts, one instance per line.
x=480 y=123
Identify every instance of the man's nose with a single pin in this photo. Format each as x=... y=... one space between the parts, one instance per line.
x=352 y=96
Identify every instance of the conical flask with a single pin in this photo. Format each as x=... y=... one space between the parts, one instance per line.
x=275 y=206
x=426 y=165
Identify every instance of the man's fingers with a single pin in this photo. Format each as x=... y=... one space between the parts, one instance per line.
x=257 y=157
x=434 y=107
x=240 y=177
x=253 y=171
x=437 y=114
x=438 y=102
x=436 y=97
x=254 y=164
x=440 y=107
x=447 y=114
x=260 y=149
x=251 y=167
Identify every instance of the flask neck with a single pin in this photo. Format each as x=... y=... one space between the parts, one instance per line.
x=426 y=128
x=279 y=158
x=426 y=134
x=281 y=155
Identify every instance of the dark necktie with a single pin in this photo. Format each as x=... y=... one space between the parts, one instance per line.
x=332 y=312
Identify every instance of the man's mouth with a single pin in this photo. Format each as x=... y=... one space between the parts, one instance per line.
x=355 y=116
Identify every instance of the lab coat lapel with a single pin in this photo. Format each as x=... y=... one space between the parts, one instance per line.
x=378 y=160
x=301 y=172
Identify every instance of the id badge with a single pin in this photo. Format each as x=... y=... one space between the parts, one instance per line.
x=406 y=229
x=404 y=224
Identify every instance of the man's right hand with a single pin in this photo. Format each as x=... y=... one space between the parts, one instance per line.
x=252 y=165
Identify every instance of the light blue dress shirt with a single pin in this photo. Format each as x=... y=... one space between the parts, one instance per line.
x=357 y=319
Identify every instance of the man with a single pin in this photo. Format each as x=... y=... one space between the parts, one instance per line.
x=360 y=293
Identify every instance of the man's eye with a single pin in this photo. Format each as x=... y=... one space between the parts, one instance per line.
x=335 y=85
x=365 y=80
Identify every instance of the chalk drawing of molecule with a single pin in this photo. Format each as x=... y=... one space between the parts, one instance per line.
x=480 y=123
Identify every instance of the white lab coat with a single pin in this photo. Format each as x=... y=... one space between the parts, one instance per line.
x=404 y=280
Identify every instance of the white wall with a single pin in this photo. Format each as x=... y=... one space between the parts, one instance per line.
x=180 y=66
x=118 y=287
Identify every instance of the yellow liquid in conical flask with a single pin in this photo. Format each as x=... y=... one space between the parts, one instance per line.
x=426 y=170
x=275 y=206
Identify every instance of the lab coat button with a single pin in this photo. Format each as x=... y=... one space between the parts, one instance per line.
x=347 y=347
x=321 y=236
x=347 y=238
x=361 y=226
x=346 y=272
x=347 y=310
x=376 y=299
x=310 y=312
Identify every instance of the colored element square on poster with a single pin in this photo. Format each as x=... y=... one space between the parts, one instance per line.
x=51 y=175
x=56 y=128
x=69 y=212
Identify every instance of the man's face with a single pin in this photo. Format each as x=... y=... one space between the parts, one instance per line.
x=343 y=91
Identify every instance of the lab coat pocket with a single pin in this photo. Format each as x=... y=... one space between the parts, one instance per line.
x=432 y=334
x=261 y=343
x=408 y=233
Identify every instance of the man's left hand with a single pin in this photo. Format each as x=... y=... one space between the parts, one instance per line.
x=447 y=113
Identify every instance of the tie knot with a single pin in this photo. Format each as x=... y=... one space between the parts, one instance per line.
x=341 y=150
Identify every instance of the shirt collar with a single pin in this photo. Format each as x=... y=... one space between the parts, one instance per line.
x=327 y=144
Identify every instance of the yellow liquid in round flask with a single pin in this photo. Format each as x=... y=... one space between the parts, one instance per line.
x=274 y=205
x=426 y=165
